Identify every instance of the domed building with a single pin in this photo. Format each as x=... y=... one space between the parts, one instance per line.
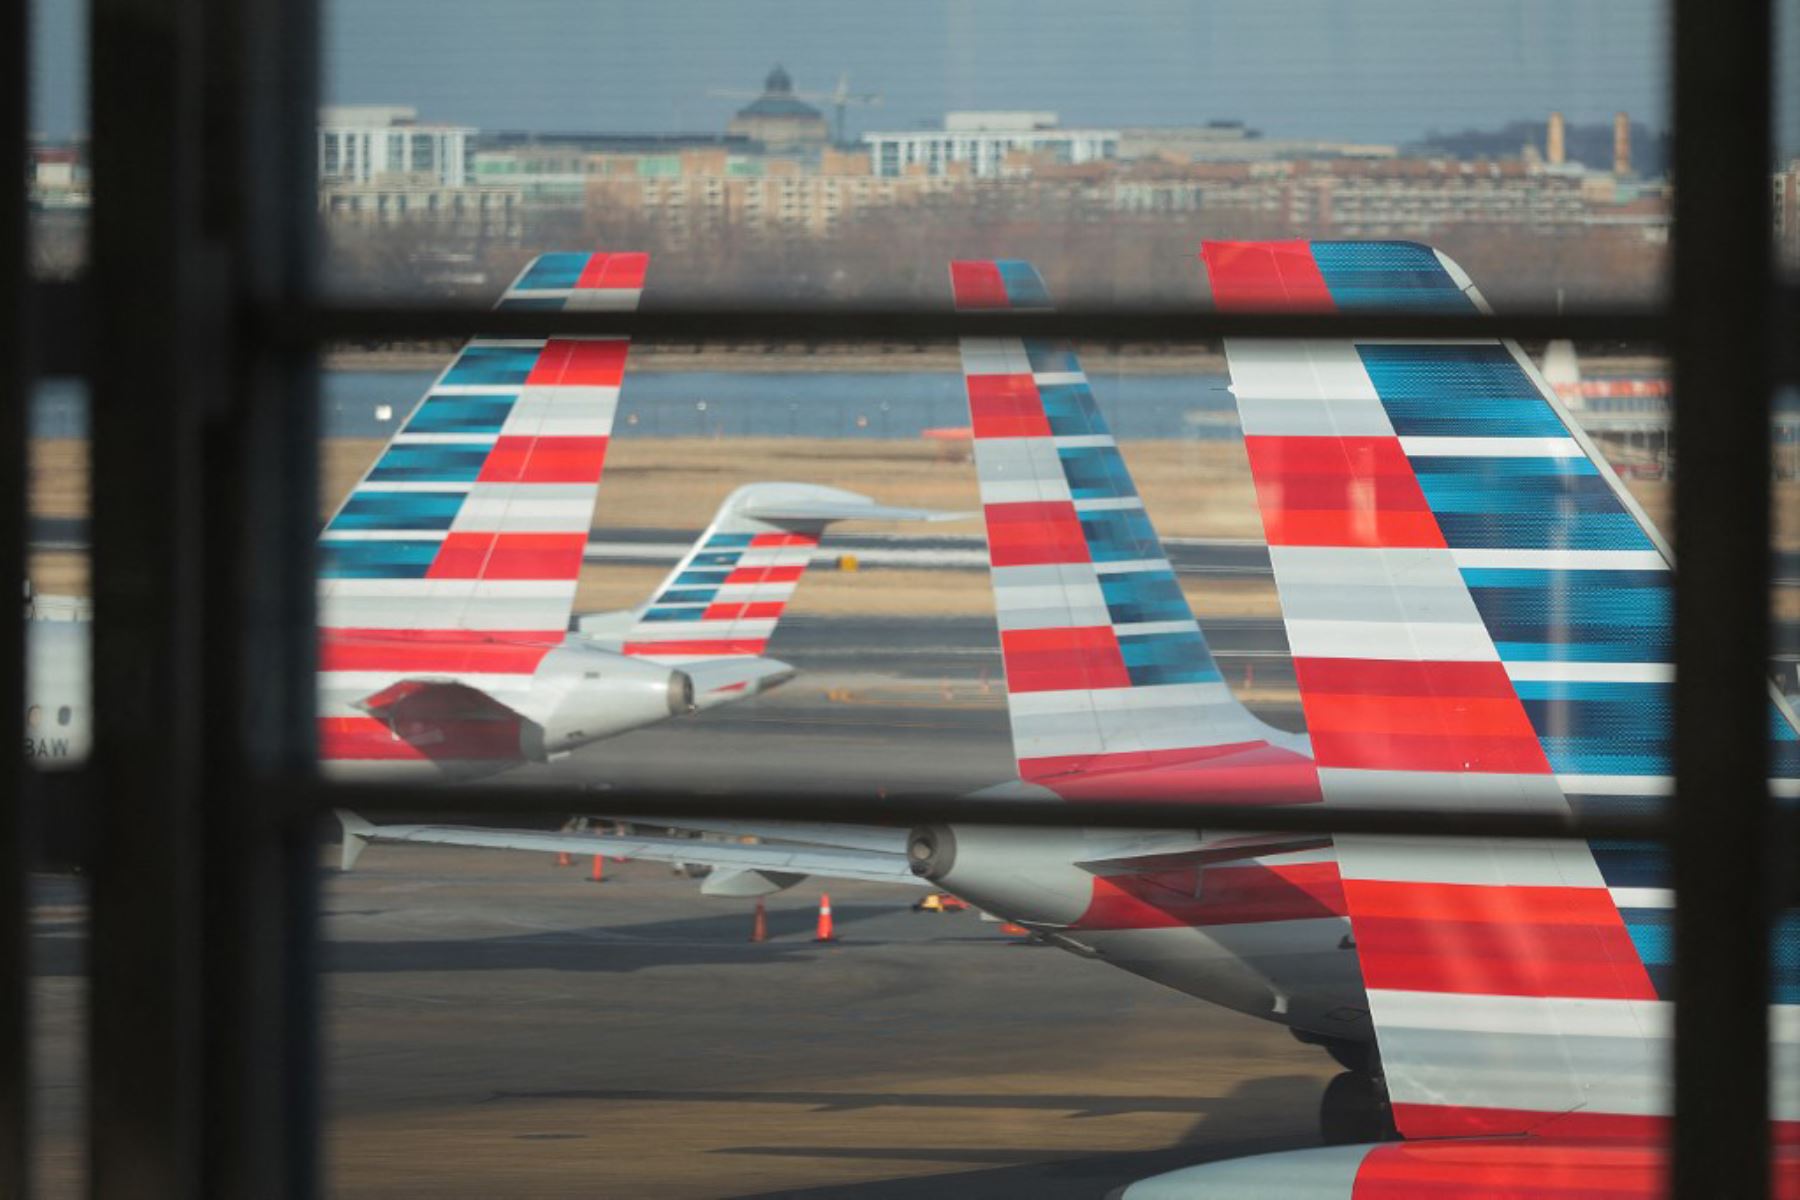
x=780 y=119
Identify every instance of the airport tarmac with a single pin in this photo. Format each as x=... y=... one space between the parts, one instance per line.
x=881 y=706
x=495 y=1026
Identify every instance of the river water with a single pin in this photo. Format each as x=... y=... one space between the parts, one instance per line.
x=717 y=404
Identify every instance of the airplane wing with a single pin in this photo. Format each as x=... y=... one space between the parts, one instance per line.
x=1479 y=617
x=458 y=552
x=876 y=838
x=779 y=859
x=1111 y=687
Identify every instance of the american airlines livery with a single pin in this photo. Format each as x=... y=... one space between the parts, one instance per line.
x=447 y=578
x=1478 y=615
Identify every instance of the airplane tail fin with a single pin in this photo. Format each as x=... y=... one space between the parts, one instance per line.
x=1110 y=683
x=724 y=598
x=474 y=517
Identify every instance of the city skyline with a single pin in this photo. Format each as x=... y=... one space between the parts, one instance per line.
x=1390 y=73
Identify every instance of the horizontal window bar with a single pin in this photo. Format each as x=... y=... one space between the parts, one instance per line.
x=372 y=799
x=1109 y=323
x=61 y=310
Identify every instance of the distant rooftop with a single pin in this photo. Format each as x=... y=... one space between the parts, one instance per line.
x=998 y=121
x=778 y=99
x=619 y=143
x=375 y=116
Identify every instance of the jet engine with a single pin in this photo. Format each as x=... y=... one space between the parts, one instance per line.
x=580 y=694
x=1034 y=876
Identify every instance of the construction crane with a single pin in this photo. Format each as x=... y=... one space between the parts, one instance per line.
x=839 y=98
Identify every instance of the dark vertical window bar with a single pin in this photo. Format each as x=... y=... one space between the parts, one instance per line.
x=153 y=377
x=1721 y=347
x=15 y=402
x=261 y=843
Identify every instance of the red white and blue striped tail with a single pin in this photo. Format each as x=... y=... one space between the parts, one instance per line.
x=458 y=552
x=1479 y=617
x=1111 y=687
x=476 y=515
x=724 y=598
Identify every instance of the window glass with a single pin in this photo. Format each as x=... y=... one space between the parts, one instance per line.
x=57 y=166
x=57 y=586
x=1787 y=138
x=1382 y=572
x=1528 y=139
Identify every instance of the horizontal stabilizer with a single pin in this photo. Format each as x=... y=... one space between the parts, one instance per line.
x=720 y=680
x=462 y=730
x=849 y=507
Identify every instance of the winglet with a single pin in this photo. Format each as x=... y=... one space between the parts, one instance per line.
x=724 y=598
x=357 y=834
x=823 y=505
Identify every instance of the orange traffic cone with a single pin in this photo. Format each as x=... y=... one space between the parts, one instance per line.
x=1015 y=930
x=759 y=928
x=825 y=933
x=599 y=875
x=562 y=858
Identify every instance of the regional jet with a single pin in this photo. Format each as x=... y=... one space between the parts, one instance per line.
x=447 y=577
x=1478 y=613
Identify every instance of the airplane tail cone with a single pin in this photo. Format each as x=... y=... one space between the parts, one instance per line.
x=759 y=927
x=825 y=933
x=599 y=873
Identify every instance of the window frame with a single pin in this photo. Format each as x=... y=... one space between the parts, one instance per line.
x=205 y=850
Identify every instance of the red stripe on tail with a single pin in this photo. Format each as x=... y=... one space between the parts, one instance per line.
x=1488 y=940
x=1265 y=275
x=1005 y=406
x=977 y=284
x=587 y=363
x=1057 y=660
x=545 y=460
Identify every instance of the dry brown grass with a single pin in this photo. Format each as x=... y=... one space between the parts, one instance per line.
x=59 y=477
x=1193 y=489
x=59 y=572
x=1658 y=495
x=879 y=592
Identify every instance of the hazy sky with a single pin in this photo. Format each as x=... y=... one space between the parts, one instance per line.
x=1378 y=70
